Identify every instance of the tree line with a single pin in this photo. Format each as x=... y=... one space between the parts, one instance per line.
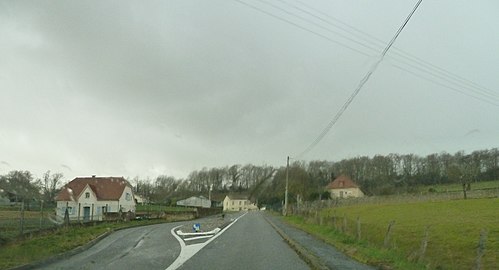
x=377 y=175
x=23 y=187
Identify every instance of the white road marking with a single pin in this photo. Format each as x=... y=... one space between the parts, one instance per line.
x=214 y=231
x=198 y=237
x=187 y=251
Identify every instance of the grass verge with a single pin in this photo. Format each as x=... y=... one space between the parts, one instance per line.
x=362 y=251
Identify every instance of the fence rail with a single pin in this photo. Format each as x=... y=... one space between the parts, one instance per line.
x=393 y=199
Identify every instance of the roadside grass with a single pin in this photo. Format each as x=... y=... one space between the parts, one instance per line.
x=362 y=251
x=51 y=243
x=454 y=232
x=162 y=208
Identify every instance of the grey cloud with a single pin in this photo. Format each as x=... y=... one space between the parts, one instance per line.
x=123 y=87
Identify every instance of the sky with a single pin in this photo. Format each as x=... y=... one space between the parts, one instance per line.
x=148 y=88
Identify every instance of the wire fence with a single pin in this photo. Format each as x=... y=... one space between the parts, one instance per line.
x=395 y=199
x=16 y=221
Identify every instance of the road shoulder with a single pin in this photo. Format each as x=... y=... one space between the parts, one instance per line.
x=317 y=253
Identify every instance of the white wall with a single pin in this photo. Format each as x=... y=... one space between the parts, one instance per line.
x=346 y=193
x=127 y=203
x=237 y=205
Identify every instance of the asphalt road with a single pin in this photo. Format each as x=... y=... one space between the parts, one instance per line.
x=249 y=243
x=150 y=247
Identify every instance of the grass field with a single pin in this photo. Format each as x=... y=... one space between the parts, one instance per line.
x=454 y=232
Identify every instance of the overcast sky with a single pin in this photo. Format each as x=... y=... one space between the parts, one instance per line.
x=129 y=88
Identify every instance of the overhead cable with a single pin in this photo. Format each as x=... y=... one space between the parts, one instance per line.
x=359 y=87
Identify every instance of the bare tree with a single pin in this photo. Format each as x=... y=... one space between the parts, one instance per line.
x=50 y=186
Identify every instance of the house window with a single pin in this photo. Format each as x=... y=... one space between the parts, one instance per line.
x=239 y=202
x=87 y=195
x=128 y=197
x=70 y=210
x=232 y=203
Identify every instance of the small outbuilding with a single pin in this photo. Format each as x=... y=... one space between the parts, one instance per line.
x=195 y=201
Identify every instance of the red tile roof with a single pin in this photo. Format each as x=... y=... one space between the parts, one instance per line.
x=342 y=181
x=105 y=188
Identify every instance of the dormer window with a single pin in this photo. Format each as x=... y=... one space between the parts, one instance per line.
x=87 y=195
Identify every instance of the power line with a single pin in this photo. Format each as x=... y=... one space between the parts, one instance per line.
x=433 y=73
x=488 y=98
x=318 y=25
x=446 y=86
x=301 y=27
x=457 y=80
x=359 y=87
x=401 y=53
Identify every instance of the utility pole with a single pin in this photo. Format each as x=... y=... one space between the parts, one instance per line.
x=285 y=212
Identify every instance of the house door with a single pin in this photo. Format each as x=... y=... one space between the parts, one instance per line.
x=341 y=194
x=86 y=213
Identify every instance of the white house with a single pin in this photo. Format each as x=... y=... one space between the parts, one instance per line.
x=344 y=187
x=194 y=201
x=89 y=198
x=238 y=203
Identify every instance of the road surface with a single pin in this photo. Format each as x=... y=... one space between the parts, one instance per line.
x=249 y=243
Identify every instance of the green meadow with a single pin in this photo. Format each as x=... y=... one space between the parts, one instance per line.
x=453 y=228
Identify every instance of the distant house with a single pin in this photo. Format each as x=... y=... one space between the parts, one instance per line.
x=4 y=200
x=344 y=187
x=238 y=203
x=89 y=198
x=140 y=199
x=194 y=201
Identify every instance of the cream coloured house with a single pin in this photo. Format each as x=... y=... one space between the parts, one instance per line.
x=89 y=198
x=344 y=187
x=238 y=203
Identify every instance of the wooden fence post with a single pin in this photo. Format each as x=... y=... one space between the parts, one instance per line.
x=424 y=244
x=480 y=249
x=358 y=229
x=386 y=243
x=345 y=223
x=21 y=225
